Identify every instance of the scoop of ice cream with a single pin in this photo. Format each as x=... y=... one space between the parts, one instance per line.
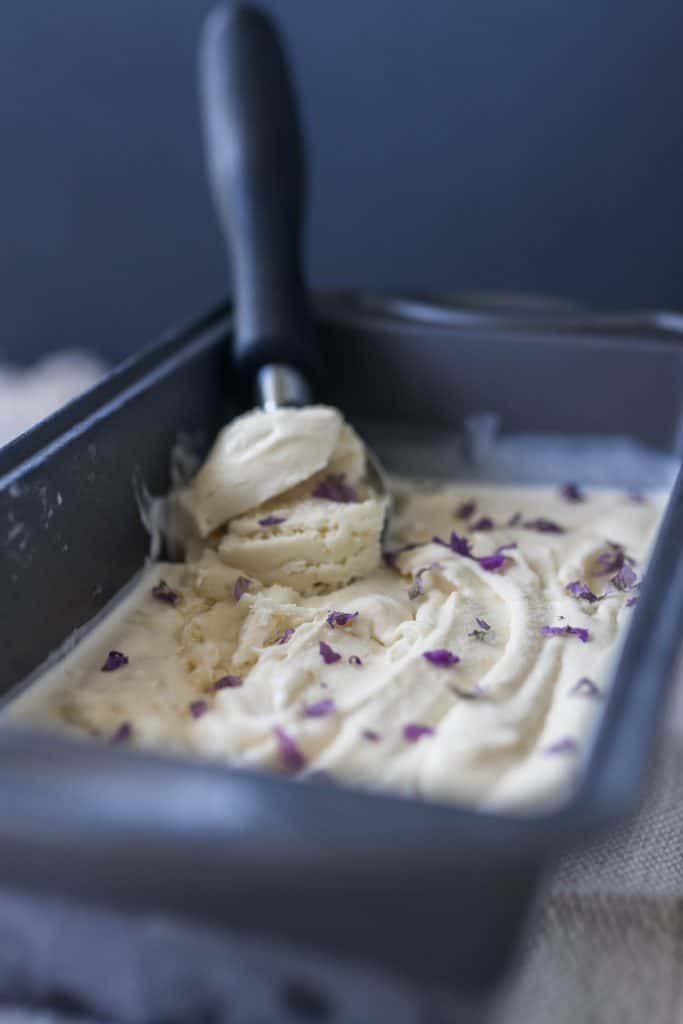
x=258 y=456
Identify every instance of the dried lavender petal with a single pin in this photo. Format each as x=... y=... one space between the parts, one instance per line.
x=162 y=592
x=340 y=618
x=240 y=588
x=320 y=709
x=625 y=578
x=578 y=589
x=572 y=492
x=543 y=525
x=115 y=659
x=370 y=734
x=585 y=687
x=198 y=708
x=566 y=745
x=417 y=588
x=441 y=657
x=413 y=731
x=637 y=497
x=631 y=601
x=123 y=733
x=492 y=562
x=355 y=660
x=610 y=561
x=467 y=509
x=515 y=520
x=333 y=487
x=290 y=755
x=483 y=524
x=483 y=624
x=577 y=631
x=227 y=683
x=327 y=654
x=284 y=637
x=271 y=520
x=460 y=545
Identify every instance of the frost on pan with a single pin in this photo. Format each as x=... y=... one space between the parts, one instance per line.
x=320 y=708
x=198 y=708
x=227 y=683
x=441 y=657
x=585 y=687
x=291 y=757
x=543 y=525
x=115 y=659
x=582 y=634
x=327 y=654
x=413 y=731
x=340 y=618
x=484 y=524
x=240 y=588
x=466 y=510
x=333 y=487
x=271 y=520
x=284 y=637
x=572 y=492
x=566 y=745
x=123 y=733
x=355 y=660
x=162 y=592
x=578 y=589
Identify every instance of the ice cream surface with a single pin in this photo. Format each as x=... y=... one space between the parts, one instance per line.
x=469 y=663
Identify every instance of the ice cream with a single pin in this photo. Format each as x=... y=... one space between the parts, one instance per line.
x=468 y=664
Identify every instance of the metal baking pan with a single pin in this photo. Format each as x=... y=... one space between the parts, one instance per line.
x=437 y=892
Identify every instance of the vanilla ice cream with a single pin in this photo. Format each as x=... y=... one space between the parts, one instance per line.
x=468 y=663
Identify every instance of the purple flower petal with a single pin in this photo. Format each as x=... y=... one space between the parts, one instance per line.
x=585 y=687
x=320 y=709
x=566 y=745
x=441 y=657
x=284 y=637
x=460 y=545
x=543 y=525
x=492 y=562
x=240 y=588
x=484 y=524
x=625 y=578
x=333 y=487
x=327 y=654
x=162 y=592
x=413 y=731
x=467 y=509
x=198 y=708
x=115 y=659
x=483 y=624
x=578 y=589
x=370 y=734
x=123 y=733
x=610 y=561
x=577 y=631
x=355 y=660
x=631 y=601
x=271 y=520
x=227 y=683
x=291 y=757
x=340 y=618
x=572 y=492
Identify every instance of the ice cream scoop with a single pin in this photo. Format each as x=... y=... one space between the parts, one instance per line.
x=256 y=171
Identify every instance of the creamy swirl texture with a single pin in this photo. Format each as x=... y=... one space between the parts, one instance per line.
x=470 y=664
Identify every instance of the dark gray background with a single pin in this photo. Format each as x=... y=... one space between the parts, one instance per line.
x=519 y=144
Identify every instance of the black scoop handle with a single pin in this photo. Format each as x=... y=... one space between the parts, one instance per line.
x=256 y=170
